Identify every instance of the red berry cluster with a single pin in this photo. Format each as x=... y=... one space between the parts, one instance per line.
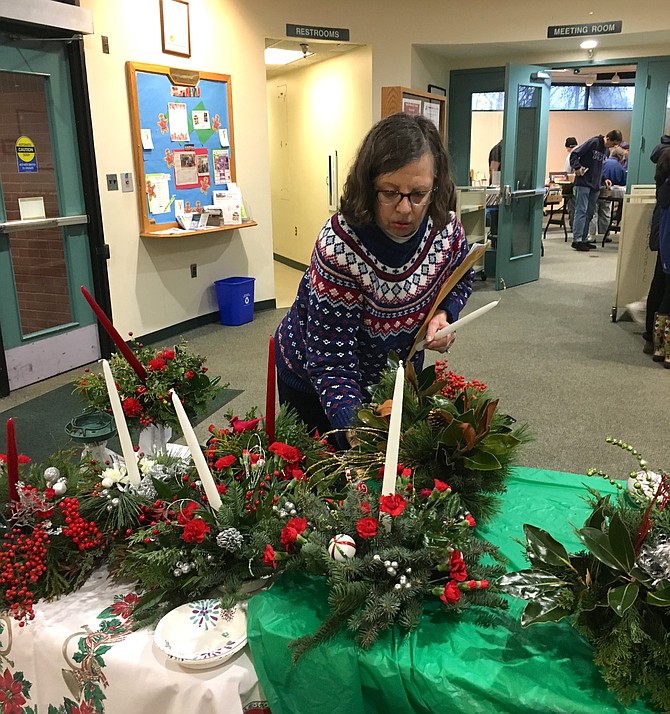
x=22 y=562
x=455 y=383
x=84 y=534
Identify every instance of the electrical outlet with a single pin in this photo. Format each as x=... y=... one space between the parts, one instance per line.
x=295 y=230
x=194 y=270
x=105 y=45
x=112 y=182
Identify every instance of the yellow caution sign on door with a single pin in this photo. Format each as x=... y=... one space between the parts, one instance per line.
x=26 y=155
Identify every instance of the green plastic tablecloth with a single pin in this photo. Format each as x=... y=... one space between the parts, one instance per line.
x=446 y=664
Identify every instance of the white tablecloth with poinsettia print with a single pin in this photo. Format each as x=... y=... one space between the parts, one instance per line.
x=81 y=651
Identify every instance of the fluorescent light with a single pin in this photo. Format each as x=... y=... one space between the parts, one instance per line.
x=274 y=55
x=589 y=44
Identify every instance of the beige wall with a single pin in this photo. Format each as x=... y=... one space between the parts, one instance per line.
x=150 y=283
x=323 y=108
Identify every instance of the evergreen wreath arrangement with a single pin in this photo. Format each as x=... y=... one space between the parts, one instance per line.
x=452 y=430
x=148 y=402
x=616 y=591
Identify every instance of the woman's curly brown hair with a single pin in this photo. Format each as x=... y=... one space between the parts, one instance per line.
x=391 y=144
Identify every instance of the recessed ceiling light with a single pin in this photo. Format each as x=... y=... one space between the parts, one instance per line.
x=274 y=55
x=589 y=44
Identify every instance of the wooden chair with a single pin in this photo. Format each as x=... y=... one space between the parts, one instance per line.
x=553 y=199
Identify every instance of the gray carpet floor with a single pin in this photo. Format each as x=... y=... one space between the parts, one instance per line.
x=549 y=351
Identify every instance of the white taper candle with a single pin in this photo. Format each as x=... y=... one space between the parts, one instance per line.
x=196 y=454
x=461 y=322
x=121 y=426
x=393 y=442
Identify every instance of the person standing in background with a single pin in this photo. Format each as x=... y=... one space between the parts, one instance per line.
x=495 y=161
x=586 y=162
x=614 y=178
x=570 y=144
x=569 y=192
x=626 y=150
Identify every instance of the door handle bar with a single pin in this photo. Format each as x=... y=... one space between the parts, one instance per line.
x=42 y=223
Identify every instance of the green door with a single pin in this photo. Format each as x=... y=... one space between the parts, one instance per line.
x=46 y=327
x=525 y=125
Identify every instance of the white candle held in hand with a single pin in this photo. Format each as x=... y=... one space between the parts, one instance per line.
x=461 y=322
x=393 y=442
x=121 y=425
x=196 y=454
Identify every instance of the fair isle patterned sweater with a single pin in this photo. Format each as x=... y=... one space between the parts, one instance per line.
x=362 y=296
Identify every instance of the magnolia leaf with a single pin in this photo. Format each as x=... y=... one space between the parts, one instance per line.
x=384 y=409
x=659 y=597
x=596 y=519
x=451 y=436
x=620 y=541
x=432 y=389
x=527 y=584
x=469 y=435
x=427 y=378
x=468 y=417
x=642 y=576
x=598 y=543
x=481 y=460
x=489 y=411
x=372 y=420
x=499 y=443
x=623 y=597
x=545 y=547
x=543 y=609
x=410 y=375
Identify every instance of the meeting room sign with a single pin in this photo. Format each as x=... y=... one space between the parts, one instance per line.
x=585 y=29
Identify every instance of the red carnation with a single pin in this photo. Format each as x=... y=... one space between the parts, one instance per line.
x=157 y=364
x=167 y=354
x=472 y=522
x=269 y=556
x=288 y=453
x=131 y=407
x=189 y=374
x=186 y=514
x=425 y=492
x=441 y=486
x=221 y=488
x=365 y=507
x=457 y=569
x=22 y=459
x=299 y=524
x=288 y=536
x=224 y=462
x=451 y=593
x=195 y=531
x=367 y=527
x=394 y=504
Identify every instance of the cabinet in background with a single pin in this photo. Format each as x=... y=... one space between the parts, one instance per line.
x=412 y=101
x=471 y=209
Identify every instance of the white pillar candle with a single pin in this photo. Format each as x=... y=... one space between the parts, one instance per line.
x=196 y=454
x=393 y=442
x=121 y=426
x=461 y=322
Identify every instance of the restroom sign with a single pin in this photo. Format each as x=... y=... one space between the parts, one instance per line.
x=26 y=155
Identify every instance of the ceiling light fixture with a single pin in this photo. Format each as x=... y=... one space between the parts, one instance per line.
x=589 y=79
x=615 y=78
x=275 y=55
x=589 y=46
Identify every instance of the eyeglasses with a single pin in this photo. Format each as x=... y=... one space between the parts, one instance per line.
x=393 y=198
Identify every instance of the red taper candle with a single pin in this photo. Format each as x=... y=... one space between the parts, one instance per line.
x=12 y=464
x=270 y=394
x=116 y=337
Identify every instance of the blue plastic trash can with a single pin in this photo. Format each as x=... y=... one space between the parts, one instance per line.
x=236 y=300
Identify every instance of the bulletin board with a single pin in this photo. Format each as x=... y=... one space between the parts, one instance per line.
x=183 y=142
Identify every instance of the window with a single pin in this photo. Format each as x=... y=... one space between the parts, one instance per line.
x=610 y=97
x=488 y=101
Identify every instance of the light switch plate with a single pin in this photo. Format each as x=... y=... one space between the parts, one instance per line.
x=112 y=182
x=127 y=182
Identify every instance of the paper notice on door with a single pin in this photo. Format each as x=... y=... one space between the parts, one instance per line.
x=158 y=192
x=31 y=208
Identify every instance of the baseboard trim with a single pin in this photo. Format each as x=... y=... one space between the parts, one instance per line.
x=288 y=261
x=173 y=330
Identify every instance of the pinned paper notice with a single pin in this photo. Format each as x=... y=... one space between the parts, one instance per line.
x=223 y=137
x=200 y=119
x=178 y=118
x=147 y=141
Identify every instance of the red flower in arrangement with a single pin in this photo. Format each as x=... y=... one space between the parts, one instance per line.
x=131 y=407
x=288 y=536
x=189 y=374
x=221 y=488
x=286 y=452
x=367 y=527
x=269 y=556
x=457 y=569
x=394 y=505
x=441 y=486
x=83 y=708
x=186 y=514
x=124 y=608
x=224 y=462
x=477 y=584
x=11 y=694
x=470 y=520
x=195 y=531
x=365 y=507
x=166 y=354
x=451 y=594
x=239 y=425
x=425 y=492
x=141 y=389
x=157 y=364
x=21 y=458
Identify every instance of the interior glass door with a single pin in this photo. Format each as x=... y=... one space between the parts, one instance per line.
x=525 y=126
x=44 y=248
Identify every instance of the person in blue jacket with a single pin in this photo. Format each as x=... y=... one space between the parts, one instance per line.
x=587 y=161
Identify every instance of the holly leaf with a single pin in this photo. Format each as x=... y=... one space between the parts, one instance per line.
x=543 y=609
x=527 y=584
x=623 y=597
x=598 y=543
x=544 y=547
x=620 y=542
x=162 y=489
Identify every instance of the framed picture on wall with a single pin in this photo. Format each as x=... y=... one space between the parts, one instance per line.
x=434 y=89
x=176 y=27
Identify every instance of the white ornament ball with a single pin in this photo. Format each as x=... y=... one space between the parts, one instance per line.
x=60 y=487
x=106 y=482
x=51 y=474
x=342 y=547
